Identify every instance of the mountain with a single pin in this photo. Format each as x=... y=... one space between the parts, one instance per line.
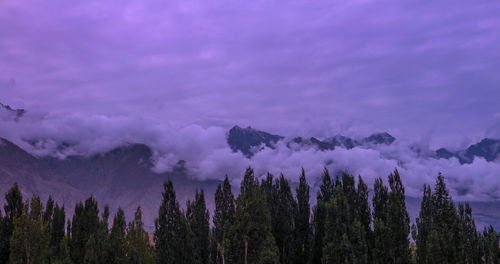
x=487 y=148
x=9 y=113
x=124 y=177
x=32 y=176
x=249 y=141
x=379 y=138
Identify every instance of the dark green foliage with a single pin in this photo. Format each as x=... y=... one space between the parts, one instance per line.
x=442 y=234
x=172 y=233
x=13 y=209
x=266 y=224
x=223 y=218
x=198 y=218
x=490 y=249
x=346 y=236
x=117 y=252
x=468 y=237
x=324 y=196
x=301 y=217
x=282 y=219
x=29 y=243
x=251 y=233
x=138 y=250
x=85 y=225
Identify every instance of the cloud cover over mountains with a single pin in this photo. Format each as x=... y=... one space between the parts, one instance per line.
x=209 y=154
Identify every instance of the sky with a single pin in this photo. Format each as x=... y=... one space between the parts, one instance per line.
x=154 y=70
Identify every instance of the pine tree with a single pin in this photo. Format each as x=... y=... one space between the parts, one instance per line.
x=172 y=233
x=85 y=225
x=282 y=219
x=223 y=218
x=301 y=218
x=468 y=237
x=346 y=238
x=381 y=231
x=398 y=222
x=198 y=218
x=13 y=208
x=437 y=229
x=29 y=243
x=252 y=228
x=324 y=196
x=490 y=249
x=138 y=250
x=57 y=231
x=118 y=253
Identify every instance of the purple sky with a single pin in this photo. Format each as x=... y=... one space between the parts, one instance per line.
x=405 y=66
x=411 y=67
x=177 y=74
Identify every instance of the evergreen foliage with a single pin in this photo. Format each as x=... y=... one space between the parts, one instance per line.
x=266 y=224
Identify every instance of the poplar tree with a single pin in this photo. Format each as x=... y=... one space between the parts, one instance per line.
x=13 y=208
x=490 y=249
x=381 y=231
x=29 y=243
x=118 y=253
x=223 y=218
x=282 y=219
x=302 y=216
x=324 y=196
x=172 y=233
x=138 y=250
x=398 y=222
x=437 y=227
x=198 y=217
x=252 y=228
x=85 y=225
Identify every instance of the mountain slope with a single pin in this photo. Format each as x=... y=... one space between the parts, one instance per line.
x=123 y=177
x=33 y=178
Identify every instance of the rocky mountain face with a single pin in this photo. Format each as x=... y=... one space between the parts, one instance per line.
x=488 y=148
x=249 y=141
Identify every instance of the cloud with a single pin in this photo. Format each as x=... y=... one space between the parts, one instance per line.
x=408 y=66
x=208 y=156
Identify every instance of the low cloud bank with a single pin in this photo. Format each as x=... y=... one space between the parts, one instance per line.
x=208 y=156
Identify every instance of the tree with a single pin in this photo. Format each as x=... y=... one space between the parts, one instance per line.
x=282 y=219
x=301 y=218
x=381 y=231
x=437 y=230
x=468 y=237
x=252 y=228
x=138 y=250
x=223 y=218
x=346 y=238
x=172 y=233
x=198 y=218
x=491 y=251
x=57 y=232
x=118 y=253
x=13 y=209
x=85 y=225
x=29 y=243
x=324 y=196
x=398 y=222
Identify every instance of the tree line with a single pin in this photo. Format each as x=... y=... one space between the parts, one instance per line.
x=266 y=223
